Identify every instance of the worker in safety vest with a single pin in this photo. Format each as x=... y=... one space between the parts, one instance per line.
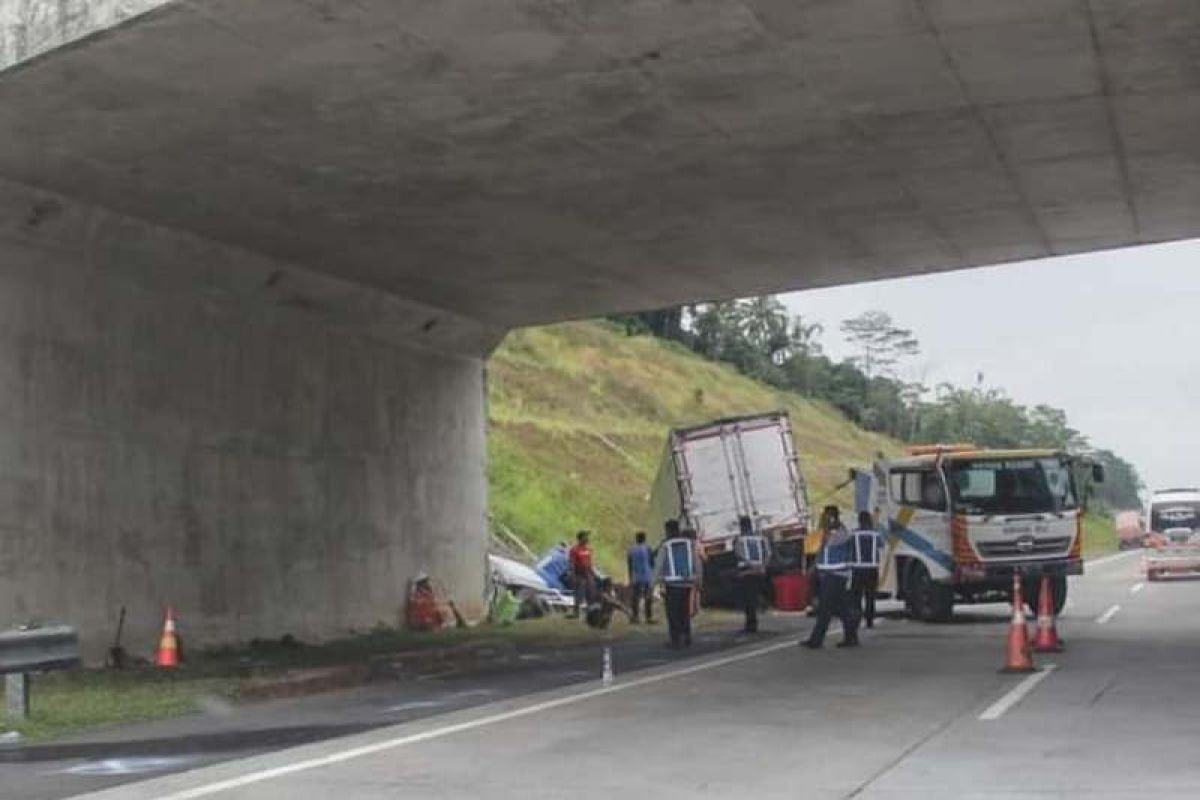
x=864 y=564
x=833 y=580
x=752 y=551
x=678 y=568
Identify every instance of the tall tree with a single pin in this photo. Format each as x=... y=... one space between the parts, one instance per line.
x=879 y=342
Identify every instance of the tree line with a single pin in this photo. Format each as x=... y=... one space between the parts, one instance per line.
x=761 y=339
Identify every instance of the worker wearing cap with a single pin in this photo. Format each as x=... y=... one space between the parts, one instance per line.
x=752 y=551
x=678 y=568
x=834 y=575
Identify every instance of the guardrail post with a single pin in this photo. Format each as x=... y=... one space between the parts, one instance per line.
x=16 y=696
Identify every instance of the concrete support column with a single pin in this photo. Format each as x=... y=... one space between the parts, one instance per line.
x=265 y=450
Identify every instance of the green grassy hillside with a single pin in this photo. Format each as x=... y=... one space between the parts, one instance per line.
x=579 y=418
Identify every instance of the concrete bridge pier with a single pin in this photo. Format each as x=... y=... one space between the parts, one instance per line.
x=268 y=450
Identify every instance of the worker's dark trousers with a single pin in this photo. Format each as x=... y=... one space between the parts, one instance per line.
x=863 y=585
x=642 y=591
x=834 y=599
x=679 y=614
x=751 y=588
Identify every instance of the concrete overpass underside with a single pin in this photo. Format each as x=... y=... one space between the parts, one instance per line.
x=253 y=254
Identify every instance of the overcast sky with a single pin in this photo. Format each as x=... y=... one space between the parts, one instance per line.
x=1112 y=338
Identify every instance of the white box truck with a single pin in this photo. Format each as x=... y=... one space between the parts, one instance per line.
x=712 y=474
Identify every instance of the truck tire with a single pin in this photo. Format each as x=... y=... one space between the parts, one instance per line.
x=926 y=599
x=1058 y=586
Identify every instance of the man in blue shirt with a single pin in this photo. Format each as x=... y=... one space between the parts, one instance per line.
x=640 y=559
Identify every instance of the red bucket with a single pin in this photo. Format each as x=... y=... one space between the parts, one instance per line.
x=791 y=591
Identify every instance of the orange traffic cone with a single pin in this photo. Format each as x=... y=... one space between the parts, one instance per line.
x=1047 y=640
x=1019 y=658
x=168 y=645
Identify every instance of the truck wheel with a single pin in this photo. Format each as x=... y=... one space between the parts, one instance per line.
x=1058 y=586
x=926 y=600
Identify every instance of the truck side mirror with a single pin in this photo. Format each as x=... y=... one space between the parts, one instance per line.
x=1098 y=473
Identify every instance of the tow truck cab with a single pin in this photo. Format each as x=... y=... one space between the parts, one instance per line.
x=959 y=521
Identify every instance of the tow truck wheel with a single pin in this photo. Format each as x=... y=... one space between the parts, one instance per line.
x=1058 y=586
x=926 y=600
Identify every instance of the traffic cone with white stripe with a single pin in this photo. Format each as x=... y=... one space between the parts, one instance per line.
x=1019 y=658
x=168 y=645
x=1046 y=640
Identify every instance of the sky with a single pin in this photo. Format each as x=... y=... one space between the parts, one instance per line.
x=1112 y=338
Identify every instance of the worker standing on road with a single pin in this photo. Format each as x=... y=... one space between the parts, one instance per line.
x=752 y=551
x=678 y=568
x=640 y=559
x=833 y=573
x=865 y=567
x=582 y=573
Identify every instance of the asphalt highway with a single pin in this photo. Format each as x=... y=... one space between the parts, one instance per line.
x=918 y=711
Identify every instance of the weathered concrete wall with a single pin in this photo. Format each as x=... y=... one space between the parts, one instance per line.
x=184 y=424
x=29 y=28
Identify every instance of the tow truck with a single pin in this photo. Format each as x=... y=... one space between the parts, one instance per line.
x=960 y=520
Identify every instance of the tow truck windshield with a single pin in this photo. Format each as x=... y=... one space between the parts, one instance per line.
x=1012 y=486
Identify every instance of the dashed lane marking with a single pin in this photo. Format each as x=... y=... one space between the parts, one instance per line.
x=1107 y=615
x=1137 y=587
x=997 y=709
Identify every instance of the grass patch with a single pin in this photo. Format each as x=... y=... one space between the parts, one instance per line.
x=1099 y=535
x=65 y=702
x=69 y=702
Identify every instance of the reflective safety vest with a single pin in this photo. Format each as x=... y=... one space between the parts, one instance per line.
x=835 y=557
x=865 y=549
x=678 y=560
x=751 y=550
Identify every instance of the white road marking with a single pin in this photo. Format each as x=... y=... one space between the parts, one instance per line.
x=1107 y=615
x=1137 y=587
x=471 y=693
x=997 y=709
x=449 y=730
x=414 y=705
x=127 y=766
x=1095 y=562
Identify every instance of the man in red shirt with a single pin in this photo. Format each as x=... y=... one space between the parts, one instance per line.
x=582 y=574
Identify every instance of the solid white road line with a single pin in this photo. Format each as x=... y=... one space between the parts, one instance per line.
x=997 y=709
x=449 y=730
x=1107 y=615
x=1137 y=587
x=1095 y=562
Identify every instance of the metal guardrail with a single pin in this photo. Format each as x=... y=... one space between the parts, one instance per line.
x=38 y=649
x=33 y=649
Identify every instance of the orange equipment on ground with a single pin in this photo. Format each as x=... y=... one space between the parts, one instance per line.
x=1046 y=640
x=168 y=645
x=1019 y=658
x=424 y=612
